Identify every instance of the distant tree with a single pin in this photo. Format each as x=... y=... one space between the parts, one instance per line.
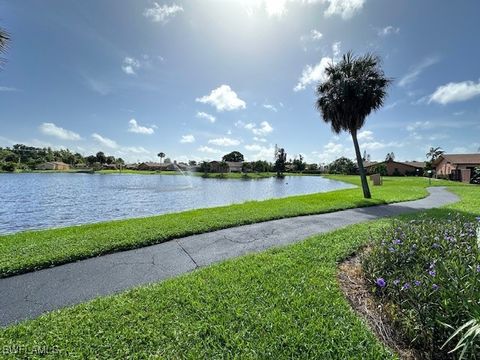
x=101 y=158
x=161 y=155
x=167 y=161
x=247 y=167
x=434 y=153
x=366 y=157
x=299 y=164
x=110 y=160
x=205 y=167
x=390 y=157
x=90 y=160
x=234 y=156
x=280 y=160
x=342 y=165
x=312 y=166
x=10 y=167
x=223 y=168
x=192 y=163
x=353 y=88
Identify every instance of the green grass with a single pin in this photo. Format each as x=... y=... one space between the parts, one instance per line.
x=283 y=303
x=31 y=250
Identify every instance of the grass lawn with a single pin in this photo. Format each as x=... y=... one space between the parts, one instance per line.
x=30 y=250
x=284 y=303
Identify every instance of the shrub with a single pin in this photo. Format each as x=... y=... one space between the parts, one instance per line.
x=9 y=166
x=427 y=272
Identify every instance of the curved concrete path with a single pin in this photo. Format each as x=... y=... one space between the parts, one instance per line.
x=29 y=295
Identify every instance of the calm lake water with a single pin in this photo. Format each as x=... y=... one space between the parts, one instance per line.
x=37 y=201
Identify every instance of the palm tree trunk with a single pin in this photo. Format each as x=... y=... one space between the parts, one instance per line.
x=361 y=169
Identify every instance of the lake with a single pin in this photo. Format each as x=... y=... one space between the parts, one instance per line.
x=38 y=201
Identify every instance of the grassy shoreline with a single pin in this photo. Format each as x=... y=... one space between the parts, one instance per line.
x=282 y=303
x=32 y=250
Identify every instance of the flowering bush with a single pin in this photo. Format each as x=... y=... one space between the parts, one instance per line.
x=427 y=273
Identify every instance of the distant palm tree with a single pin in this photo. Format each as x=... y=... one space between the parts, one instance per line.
x=434 y=153
x=161 y=155
x=354 y=87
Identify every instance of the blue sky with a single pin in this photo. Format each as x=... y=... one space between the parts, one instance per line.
x=197 y=79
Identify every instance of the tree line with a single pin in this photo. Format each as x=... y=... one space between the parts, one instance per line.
x=23 y=157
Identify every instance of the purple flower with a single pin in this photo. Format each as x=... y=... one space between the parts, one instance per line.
x=396 y=282
x=417 y=283
x=478 y=268
x=432 y=272
x=435 y=287
x=435 y=245
x=406 y=286
x=478 y=218
x=381 y=282
x=397 y=241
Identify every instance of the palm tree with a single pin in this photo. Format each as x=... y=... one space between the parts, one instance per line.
x=353 y=88
x=161 y=155
x=434 y=153
x=4 y=40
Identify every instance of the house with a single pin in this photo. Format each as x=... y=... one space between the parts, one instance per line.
x=53 y=165
x=219 y=167
x=235 y=166
x=109 y=167
x=459 y=167
x=397 y=168
x=153 y=166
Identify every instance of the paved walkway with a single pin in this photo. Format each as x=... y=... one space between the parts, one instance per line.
x=29 y=295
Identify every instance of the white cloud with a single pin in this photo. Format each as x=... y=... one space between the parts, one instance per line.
x=419 y=125
x=224 y=142
x=336 y=49
x=134 y=127
x=263 y=129
x=209 y=150
x=344 y=8
x=270 y=107
x=61 y=133
x=388 y=30
x=97 y=86
x=259 y=139
x=135 y=150
x=366 y=135
x=278 y=8
x=259 y=152
x=7 y=88
x=333 y=150
x=416 y=70
x=455 y=92
x=315 y=34
x=223 y=98
x=162 y=13
x=105 y=141
x=129 y=65
x=204 y=115
x=313 y=74
x=187 y=139
x=253 y=147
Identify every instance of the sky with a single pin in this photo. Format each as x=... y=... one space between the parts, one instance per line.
x=196 y=79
